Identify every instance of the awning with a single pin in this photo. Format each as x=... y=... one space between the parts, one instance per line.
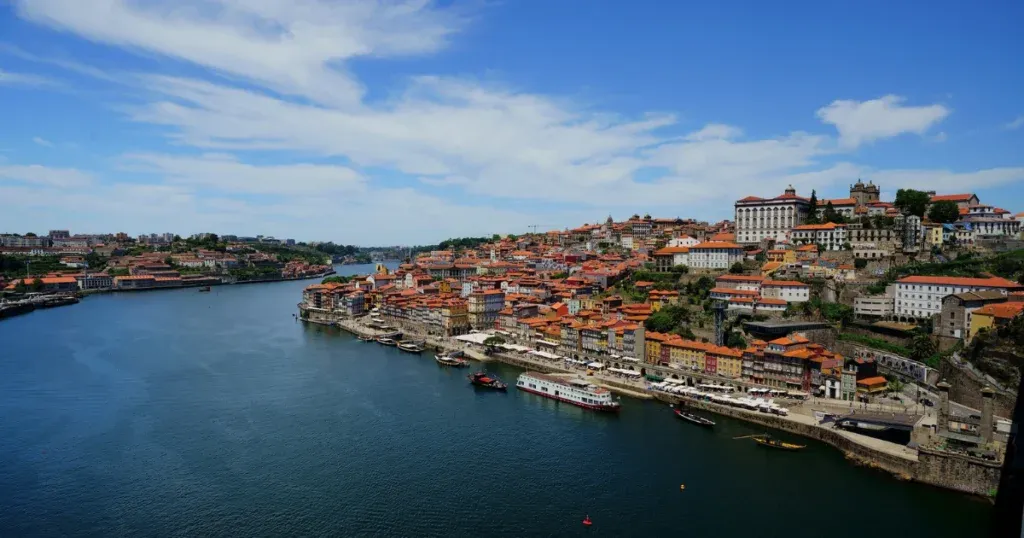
x=595 y=365
x=545 y=354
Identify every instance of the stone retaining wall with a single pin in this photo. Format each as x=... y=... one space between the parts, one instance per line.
x=965 y=388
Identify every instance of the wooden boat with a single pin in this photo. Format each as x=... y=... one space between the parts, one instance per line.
x=481 y=379
x=365 y=338
x=768 y=441
x=451 y=361
x=695 y=419
x=386 y=341
x=410 y=347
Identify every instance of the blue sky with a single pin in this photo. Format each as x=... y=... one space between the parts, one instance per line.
x=408 y=122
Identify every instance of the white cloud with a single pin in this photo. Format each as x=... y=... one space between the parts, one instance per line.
x=1015 y=124
x=713 y=131
x=293 y=46
x=947 y=180
x=45 y=176
x=8 y=78
x=860 y=122
x=225 y=173
x=42 y=142
x=282 y=92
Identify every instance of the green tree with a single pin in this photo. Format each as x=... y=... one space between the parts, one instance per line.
x=494 y=341
x=37 y=285
x=177 y=238
x=735 y=340
x=812 y=208
x=736 y=268
x=944 y=212
x=680 y=269
x=335 y=278
x=922 y=347
x=20 y=287
x=860 y=263
x=831 y=215
x=912 y=202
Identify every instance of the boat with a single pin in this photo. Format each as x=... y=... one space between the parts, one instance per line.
x=204 y=288
x=578 y=392
x=410 y=347
x=451 y=361
x=698 y=420
x=365 y=338
x=481 y=379
x=386 y=341
x=768 y=441
x=587 y=522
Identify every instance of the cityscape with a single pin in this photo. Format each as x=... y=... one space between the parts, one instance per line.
x=420 y=268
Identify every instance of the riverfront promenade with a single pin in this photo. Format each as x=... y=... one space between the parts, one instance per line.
x=801 y=412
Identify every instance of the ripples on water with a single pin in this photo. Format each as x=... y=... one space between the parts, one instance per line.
x=175 y=413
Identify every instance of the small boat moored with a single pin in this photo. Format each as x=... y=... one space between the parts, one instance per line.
x=410 y=347
x=365 y=338
x=696 y=419
x=768 y=441
x=481 y=379
x=204 y=288
x=451 y=361
x=387 y=341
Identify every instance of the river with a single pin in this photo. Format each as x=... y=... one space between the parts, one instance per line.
x=178 y=413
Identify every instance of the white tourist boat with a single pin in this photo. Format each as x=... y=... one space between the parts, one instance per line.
x=577 y=392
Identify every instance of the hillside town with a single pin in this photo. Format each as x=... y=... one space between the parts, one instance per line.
x=62 y=263
x=856 y=300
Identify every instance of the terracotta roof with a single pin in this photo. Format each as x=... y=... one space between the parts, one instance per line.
x=732 y=291
x=837 y=201
x=715 y=245
x=1001 y=310
x=826 y=226
x=740 y=278
x=871 y=381
x=991 y=282
x=952 y=197
x=672 y=250
x=785 y=283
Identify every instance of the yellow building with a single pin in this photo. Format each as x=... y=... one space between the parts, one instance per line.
x=730 y=361
x=653 y=341
x=993 y=315
x=933 y=235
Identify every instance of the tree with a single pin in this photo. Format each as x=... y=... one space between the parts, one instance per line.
x=177 y=238
x=944 y=212
x=680 y=269
x=860 y=263
x=736 y=268
x=493 y=341
x=922 y=347
x=812 y=208
x=831 y=215
x=37 y=285
x=335 y=278
x=735 y=340
x=912 y=202
x=895 y=385
x=495 y=237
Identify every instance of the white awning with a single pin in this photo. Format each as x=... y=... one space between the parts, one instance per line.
x=473 y=338
x=546 y=343
x=595 y=365
x=545 y=354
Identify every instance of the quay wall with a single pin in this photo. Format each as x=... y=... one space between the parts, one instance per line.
x=941 y=469
x=965 y=388
x=936 y=468
x=902 y=468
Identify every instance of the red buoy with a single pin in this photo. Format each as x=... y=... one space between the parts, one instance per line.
x=587 y=522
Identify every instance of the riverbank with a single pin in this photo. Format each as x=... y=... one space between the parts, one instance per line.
x=949 y=471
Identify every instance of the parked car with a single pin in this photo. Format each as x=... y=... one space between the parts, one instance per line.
x=927 y=403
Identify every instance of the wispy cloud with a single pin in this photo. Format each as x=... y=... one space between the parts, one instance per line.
x=860 y=122
x=42 y=142
x=8 y=78
x=1015 y=124
x=45 y=176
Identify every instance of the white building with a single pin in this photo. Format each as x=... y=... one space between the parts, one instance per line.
x=769 y=218
x=921 y=296
x=682 y=241
x=987 y=221
x=715 y=255
x=842 y=206
x=790 y=291
x=831 y=235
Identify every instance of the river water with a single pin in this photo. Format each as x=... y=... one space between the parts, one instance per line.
x=177 y=413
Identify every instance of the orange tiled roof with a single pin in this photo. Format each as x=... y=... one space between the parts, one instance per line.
x=715 y=245
x=837 y=201
x=1001 y=310
x=672 y=250
x=826 y=226
x=872 y=381
x=952 y=197
x=992 y=282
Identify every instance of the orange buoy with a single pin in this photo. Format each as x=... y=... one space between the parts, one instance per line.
x=587 y=522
